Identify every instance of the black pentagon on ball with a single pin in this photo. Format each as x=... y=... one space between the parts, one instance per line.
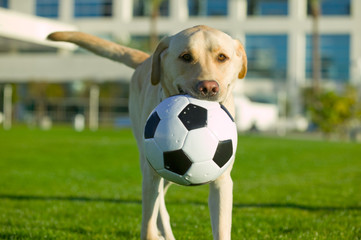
x=223 y=153
x=193 y=117
x=176 y=161
x=151 y=125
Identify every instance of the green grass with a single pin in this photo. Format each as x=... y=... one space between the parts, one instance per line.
x=61 y=184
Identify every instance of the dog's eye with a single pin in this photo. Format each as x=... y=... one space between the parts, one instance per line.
x=186 y=57
x=222 y=57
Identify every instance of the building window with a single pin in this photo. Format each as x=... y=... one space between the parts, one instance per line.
x=335 y=57
x=267 y=56
x=47 y=8
x=207 y=7
x=332 y=7
x=143 y=8
x=267 y=7
x=93 y=8
x=4 y=3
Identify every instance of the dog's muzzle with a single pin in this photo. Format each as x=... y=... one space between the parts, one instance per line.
x=207 y=88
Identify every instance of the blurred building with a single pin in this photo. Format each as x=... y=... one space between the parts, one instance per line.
x=277 y=35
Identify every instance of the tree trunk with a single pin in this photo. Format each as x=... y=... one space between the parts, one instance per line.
x=316 y=60
x=153 y=24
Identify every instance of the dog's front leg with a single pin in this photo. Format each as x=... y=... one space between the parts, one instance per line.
x=163 y=217
x=152 y=189
x=220 y=206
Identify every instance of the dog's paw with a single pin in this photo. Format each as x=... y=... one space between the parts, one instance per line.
x=160 y=236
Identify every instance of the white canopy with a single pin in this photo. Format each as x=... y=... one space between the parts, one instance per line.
x=32 y=29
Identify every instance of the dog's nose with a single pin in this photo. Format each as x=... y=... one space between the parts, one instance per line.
x=208 y=88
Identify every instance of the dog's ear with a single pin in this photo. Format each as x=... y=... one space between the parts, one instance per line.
x=156 y=65
x=242 y=53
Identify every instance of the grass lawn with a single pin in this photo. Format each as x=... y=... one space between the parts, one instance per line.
x=61 y=184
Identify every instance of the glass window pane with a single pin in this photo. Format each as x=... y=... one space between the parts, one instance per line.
x=267 y=7
x=143 y=8
x=332 y=7
x=335 y=57
x=47 y=8
x=93 y=8
x=267 y=56
x=4 y=3
x=207 y=7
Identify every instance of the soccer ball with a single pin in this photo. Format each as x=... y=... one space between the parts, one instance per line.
x=190 y=141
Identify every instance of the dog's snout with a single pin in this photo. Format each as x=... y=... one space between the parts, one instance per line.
x=208 y=88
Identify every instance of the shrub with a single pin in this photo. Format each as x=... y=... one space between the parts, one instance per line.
x=333 y=112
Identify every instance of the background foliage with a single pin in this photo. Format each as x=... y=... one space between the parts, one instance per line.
x=334 y=112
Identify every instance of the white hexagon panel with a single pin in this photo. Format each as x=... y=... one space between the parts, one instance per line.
x=171 y=106
x=200 y=145
x=154 y=154
x=170 y=134
x=205 y=104
x=222 y=124
x=202 y=172
x=173 y=177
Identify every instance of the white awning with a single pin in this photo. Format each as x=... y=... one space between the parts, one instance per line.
x=28 y=28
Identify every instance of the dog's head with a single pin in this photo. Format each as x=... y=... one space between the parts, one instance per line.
x=200 y=61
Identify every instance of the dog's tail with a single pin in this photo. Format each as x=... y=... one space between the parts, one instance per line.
x=128 y=56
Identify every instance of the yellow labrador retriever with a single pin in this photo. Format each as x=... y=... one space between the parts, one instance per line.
x=200 y=61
